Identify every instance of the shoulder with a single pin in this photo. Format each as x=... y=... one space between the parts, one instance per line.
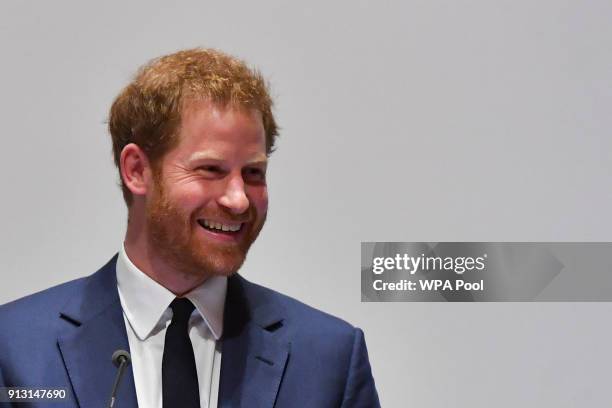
x=41 y=303
x=37 y=310
x=30 y=327
x=49 y=303
x=327 y=353
x=299 y=319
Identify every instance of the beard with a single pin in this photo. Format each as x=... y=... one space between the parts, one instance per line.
x=175 y=238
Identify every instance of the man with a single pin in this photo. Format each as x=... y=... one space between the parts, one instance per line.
x=191 y=137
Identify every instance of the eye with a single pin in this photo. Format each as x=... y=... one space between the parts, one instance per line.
x=211 y=170
x=254 y=175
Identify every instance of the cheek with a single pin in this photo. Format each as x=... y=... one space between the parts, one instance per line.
x=259 y=198
x=190 y=196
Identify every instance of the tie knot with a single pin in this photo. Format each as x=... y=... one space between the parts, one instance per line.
x=181 y=309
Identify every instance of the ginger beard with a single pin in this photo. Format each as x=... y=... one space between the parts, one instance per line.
x=174 y=236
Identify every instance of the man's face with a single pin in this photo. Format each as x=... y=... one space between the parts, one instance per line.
x=210 y=200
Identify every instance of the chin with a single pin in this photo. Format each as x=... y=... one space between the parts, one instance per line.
x=221 y=264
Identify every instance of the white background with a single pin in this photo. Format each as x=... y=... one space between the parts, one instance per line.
x=401 y=121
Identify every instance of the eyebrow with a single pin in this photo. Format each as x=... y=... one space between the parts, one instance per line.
x=212 y=155
x=207 y=155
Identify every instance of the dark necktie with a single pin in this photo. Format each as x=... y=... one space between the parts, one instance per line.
x=179 y=375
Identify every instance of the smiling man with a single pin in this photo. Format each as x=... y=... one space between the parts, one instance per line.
x=191 y=136
x=195 y=213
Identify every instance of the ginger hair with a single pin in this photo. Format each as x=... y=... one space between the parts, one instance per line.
x=148 y=110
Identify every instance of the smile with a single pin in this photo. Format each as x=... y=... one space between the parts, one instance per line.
x=220 y=226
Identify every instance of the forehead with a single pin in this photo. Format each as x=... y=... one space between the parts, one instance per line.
x=210 y=129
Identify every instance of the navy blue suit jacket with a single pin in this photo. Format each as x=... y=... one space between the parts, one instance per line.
x=277 y=352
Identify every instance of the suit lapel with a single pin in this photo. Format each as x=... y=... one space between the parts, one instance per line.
x=254 y=358
x=98 y=331
x=254 y=354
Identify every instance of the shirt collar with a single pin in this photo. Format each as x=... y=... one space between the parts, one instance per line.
x=144 y=301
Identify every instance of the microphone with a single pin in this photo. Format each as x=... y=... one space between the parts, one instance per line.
x=121 y=359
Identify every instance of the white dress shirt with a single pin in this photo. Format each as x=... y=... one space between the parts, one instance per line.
x=147 y=314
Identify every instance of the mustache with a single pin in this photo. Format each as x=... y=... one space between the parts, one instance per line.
x=248 y=216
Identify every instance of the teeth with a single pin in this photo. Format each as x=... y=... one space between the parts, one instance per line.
x=221 y=227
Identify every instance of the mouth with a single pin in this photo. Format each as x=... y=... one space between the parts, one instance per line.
x=222 y=228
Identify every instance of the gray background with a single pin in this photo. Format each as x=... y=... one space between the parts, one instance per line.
x=401 y=121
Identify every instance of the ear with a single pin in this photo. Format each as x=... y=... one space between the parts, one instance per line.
x=135 y=169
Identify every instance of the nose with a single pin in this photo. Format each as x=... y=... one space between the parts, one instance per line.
x=234 y=197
